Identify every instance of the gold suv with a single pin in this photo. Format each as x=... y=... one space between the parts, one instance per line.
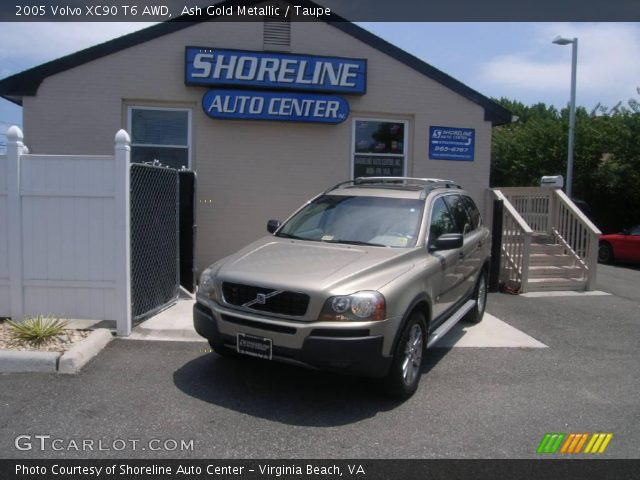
x=361 y=279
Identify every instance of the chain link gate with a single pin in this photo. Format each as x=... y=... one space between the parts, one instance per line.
x=155 y=269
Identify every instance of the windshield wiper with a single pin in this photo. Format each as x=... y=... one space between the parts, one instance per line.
x=289 y=235
x=355 y=242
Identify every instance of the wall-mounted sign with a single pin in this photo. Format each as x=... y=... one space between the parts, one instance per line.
x=237 y=68
x=451 y=143
x=365 y=166
x=283 y=106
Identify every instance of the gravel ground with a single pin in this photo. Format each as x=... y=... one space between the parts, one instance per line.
x=59 y=343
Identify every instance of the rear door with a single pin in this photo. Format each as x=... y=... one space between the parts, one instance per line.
x=477 y=238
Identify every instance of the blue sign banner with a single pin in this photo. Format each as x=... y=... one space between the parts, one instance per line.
x=282 y=106
x=452 y=143
x=269 y=70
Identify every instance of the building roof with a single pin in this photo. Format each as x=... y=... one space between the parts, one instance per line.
x=26 y=83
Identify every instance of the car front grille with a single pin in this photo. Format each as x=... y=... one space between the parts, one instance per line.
x=266 y=299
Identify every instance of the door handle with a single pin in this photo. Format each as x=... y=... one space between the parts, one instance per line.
x=461 y=255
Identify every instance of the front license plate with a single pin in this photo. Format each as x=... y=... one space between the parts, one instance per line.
x=255 y=346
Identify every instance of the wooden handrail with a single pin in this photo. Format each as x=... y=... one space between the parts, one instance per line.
x=516 y=250
x=513 y=212
x=577 y=212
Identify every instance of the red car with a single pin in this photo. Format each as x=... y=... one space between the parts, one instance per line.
x=623 y=246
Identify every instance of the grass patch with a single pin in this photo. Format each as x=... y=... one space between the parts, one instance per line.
x=38 y=329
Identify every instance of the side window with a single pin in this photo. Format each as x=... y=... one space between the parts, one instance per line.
x=474 y=213
x=441 y=221
x=460 y=215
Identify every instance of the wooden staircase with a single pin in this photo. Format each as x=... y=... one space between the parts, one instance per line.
x=551 y=268
x=546 y=242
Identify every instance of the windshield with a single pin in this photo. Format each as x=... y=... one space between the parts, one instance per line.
x=379 y=221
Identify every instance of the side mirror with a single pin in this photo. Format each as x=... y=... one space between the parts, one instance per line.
x=273 y=225
x=447 y=241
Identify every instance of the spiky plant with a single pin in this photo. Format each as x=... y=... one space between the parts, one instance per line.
x=38 y=329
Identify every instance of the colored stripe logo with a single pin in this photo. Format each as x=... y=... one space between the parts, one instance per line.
x=573 y=443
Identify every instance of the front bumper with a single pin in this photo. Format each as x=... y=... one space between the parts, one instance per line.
x=352 y=349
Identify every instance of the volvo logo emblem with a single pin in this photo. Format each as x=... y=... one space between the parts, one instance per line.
x=262 y=298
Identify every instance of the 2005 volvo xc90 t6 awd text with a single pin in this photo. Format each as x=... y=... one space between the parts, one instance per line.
x=361 y=279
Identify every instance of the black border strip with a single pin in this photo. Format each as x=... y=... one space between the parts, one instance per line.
x=551 y=468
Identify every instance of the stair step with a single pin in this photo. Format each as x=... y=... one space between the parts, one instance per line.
x=554 y=248
x=542 y=238
x=554 y=271
x=542 y=284
x=546 y=259
x=547 y=248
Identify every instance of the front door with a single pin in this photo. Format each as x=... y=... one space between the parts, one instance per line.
x=447 y=287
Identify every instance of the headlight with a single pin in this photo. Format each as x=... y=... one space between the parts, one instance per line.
x=359 y=307
x=207 y=287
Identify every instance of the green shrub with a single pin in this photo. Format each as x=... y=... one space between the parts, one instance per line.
x=38 y=329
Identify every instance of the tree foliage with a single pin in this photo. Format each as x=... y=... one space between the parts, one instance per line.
x=606 y=160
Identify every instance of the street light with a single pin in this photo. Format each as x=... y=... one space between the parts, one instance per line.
x=572 y=106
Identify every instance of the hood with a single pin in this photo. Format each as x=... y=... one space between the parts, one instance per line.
x=312 y=266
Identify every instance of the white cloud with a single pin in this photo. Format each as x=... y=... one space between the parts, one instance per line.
x=608 y=62
x=24 y=45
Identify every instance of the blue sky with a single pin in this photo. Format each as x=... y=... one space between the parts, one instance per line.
x=514 y=60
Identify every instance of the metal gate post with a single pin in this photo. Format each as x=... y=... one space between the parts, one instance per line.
x=496 y=246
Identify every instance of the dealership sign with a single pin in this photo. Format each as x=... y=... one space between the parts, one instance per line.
x=274 y=71
x=283 y=106
x=451 y=143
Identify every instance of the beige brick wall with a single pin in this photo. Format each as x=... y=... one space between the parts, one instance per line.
x=251 y=171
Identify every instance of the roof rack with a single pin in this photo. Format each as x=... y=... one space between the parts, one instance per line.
x=427 y=184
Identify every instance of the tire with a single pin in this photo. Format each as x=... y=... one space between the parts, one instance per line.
x=605 y=253
x=476 y=314
x=404 y=375
x=222 y=351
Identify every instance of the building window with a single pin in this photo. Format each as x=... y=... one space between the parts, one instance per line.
x=379 y=148
x=162 y=134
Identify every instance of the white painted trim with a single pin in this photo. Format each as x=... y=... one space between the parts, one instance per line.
x=189 y=145
x=407 y=141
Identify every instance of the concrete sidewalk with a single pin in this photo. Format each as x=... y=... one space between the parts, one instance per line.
x=176 y=324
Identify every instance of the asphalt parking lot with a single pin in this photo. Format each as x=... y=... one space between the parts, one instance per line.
x=472 y=402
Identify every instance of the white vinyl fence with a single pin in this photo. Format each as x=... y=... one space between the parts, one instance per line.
x=64 y=234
